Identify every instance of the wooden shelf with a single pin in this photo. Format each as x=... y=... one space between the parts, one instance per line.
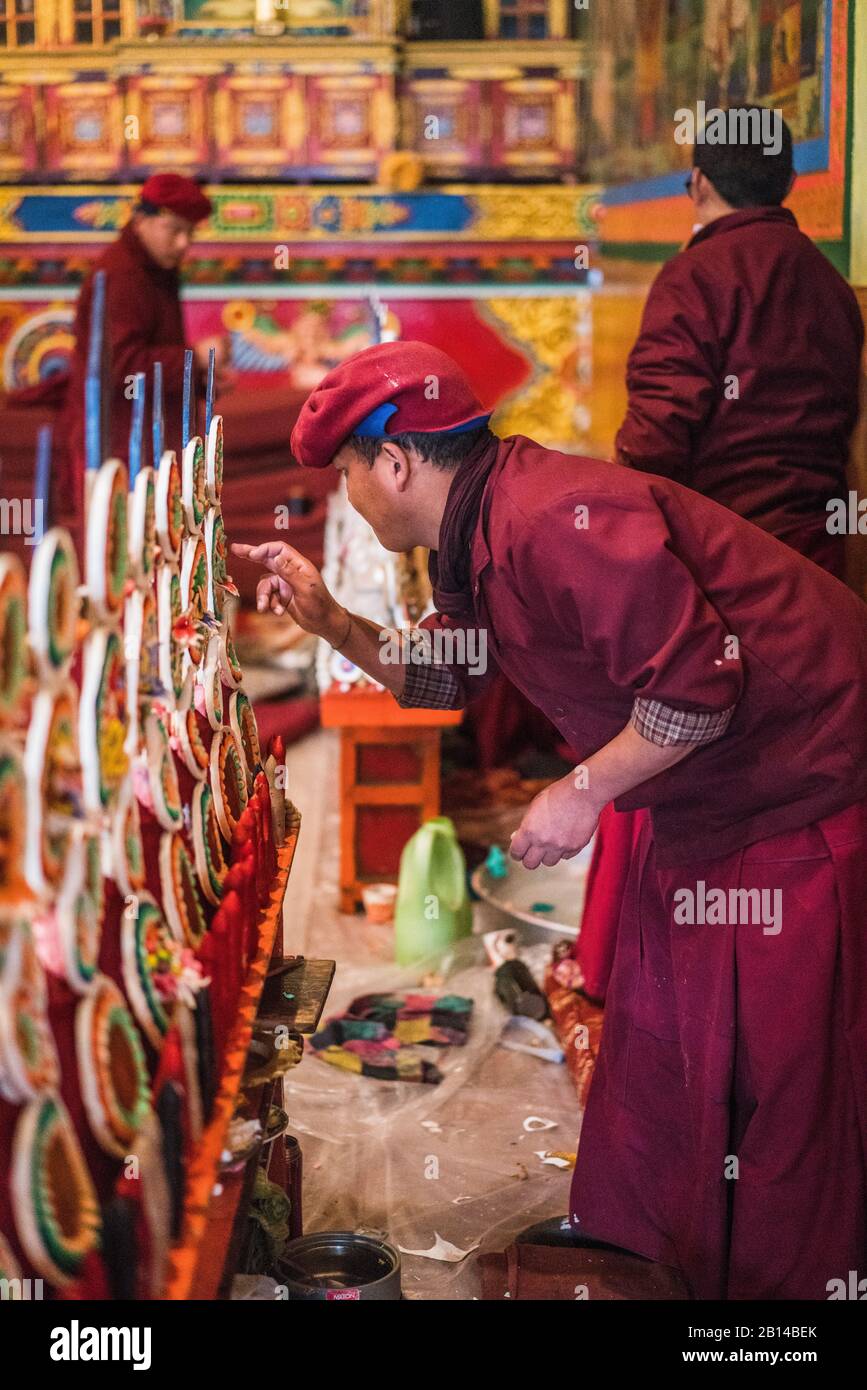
x=198 y=1259
x=308 y=982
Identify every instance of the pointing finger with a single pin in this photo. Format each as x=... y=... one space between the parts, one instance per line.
x=276 y=556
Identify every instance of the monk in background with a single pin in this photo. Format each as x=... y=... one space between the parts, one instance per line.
x=144 y=320
x=743 y=385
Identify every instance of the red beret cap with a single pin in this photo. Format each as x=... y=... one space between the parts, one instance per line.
x=389 y=389
x=177 y=194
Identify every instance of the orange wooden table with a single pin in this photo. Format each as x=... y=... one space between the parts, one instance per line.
x=389 y=781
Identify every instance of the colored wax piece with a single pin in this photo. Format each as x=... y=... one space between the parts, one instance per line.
x=496 y=863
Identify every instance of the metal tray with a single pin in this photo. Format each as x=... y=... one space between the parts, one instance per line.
x=563 y=887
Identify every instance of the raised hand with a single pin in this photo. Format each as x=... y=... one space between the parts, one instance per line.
x=295 y=586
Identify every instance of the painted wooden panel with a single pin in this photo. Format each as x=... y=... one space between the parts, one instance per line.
x=83 y=132
x=170 y=122
x=448 y=122
x=351 y=121
x=18 y=149
x=259 y=123
x=533 y=128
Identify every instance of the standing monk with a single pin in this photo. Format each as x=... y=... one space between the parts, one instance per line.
x=705 y=671
x=743 y=384
x=144 y=322
x=744 y=380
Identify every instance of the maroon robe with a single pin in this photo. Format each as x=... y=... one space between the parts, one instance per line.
x=744 y=380
x=727 y=1045
x=750 y=298
x=639 y=596
x=145 y=325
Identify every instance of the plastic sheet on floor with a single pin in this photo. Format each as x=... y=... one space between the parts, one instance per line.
x=413 y=1162
x=403 y=1160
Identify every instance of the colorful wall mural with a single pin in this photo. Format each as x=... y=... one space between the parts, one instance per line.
x=651 y=58
x=531 y=356
x=666 y=54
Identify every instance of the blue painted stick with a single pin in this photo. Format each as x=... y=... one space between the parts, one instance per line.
x=94 y=394
x=188 y=397
x=209 y=394
x=158 y=413
x=42 y=483
x=136 y=428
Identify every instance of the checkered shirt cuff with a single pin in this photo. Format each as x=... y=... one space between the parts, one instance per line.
x=661 y=724
x=431 y=687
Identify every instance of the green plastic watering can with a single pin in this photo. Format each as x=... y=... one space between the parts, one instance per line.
x=433 y=909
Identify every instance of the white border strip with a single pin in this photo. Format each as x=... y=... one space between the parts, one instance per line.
x=385 y=292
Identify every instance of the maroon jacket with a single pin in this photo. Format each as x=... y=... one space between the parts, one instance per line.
x=642 y=601
x=145 y=325
x=750 y=298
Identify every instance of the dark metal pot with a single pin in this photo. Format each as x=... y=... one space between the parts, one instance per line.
x=338 y=1265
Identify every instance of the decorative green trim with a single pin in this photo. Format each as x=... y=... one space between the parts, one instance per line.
x=187 y=877
x=60 y=576
x=14 y=664
x=659 y=252
x=117 y=543
x=120 y=1017
x=149 y=914
x=639 y=250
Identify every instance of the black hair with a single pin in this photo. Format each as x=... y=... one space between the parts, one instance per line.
x=745 y=171
x=442 y=449
x=146 y=208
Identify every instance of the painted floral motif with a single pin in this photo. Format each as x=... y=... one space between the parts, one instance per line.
x=111 y=720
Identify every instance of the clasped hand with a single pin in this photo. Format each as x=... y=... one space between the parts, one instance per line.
x=557 y=825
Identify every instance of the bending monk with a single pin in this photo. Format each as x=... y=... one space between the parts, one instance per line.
x=706 y=671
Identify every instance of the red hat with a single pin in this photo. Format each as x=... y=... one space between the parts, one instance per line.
x=383 y=390
x=177 y=194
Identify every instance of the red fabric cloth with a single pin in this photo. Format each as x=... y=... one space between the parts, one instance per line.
x=607 y=584
x=292 y=719
x=725 y=1042
x=427 y=388
x=144 y=325
x=743 y=382
x=613 y=849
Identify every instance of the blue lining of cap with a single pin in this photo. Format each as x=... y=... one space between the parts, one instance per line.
x=374 y=425
x=462 y=429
